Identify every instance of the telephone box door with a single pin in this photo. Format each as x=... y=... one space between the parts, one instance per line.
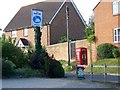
x=81 y=56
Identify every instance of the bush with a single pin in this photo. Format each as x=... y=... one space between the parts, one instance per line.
x=105 y=50
x=38 y=61
x=116 y=52
x=68 y=69
x=63 y=39
x=27 y=72
x=55 y=69
x=63 y=62
x=7 y=68
x=13 y=53
x=91 y=38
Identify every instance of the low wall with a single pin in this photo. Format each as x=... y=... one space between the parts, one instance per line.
x=60 y=51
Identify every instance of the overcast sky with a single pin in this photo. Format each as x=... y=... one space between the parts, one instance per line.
x=8 y=8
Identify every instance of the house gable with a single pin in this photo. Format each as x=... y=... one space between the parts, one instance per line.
x=58 y=25
x=71 y=1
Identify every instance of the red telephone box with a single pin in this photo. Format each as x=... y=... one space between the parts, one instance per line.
x=81 y=56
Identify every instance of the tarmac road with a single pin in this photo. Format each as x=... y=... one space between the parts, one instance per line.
x=68 y=82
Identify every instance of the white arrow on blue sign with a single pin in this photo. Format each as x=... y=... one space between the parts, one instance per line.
x=36 y=17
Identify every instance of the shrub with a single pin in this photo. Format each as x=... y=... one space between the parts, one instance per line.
x=27 y=72
x=38 y=61
x=116 y=52
x=63 y=39
x=55 y=69
x=7 y=68
x=68 y=69
x=13 y=53
x=51 y=67
x=63 y=62
x=105 y=50
x=91 y=38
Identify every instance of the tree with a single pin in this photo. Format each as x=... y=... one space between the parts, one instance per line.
x=90 y=29
x=90 y=34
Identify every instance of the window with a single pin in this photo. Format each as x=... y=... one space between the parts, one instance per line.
x=14 y=34
x=72 y=50
x=26 y=32
x=116 y=7
x=117 y=35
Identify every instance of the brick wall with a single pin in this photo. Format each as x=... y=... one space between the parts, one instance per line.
x=105 y=22
x=31 y=36
x=60 y=50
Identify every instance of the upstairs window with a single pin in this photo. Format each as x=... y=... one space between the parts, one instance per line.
x=117 y=35
x=14 y=34
x=25 y=32
x=116 y=7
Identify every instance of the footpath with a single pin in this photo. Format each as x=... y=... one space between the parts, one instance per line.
x=113 y=78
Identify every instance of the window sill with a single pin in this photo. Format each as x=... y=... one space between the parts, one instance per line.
x=116 y=14
x=117 y=42
x=14 y=37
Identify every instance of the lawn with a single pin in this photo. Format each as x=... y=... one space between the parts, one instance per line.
x=108 y=62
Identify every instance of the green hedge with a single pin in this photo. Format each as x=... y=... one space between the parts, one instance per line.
x=12 y=53
x=7 y=68
x=27 y=72
x=55 y=69
x=107 y=50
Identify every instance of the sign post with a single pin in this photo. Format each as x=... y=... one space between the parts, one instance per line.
x=36 y=18
x=36 y=22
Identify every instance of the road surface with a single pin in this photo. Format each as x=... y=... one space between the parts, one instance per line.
x=68 y=82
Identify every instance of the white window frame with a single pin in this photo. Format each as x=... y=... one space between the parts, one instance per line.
x=117 y=35
x=14 y=34
x=25 y=32
x=116 y=7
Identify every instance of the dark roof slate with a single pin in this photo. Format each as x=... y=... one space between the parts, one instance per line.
x=24 y=41
x=23 y=17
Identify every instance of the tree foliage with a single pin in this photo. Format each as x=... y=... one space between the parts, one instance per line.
x=12 y=53
x=105 y=50
x=63 y=39
x=90 y=29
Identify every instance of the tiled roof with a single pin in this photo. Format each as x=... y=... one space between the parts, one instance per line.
x=23 y=17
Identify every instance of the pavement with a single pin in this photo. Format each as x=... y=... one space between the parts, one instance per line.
x=113 y=78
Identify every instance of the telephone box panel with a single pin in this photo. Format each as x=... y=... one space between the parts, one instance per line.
x=81 y=56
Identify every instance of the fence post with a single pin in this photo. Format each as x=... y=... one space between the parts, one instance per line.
x=105 y=73
x=91 y=72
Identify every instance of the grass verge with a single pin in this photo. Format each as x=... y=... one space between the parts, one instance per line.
x=108 y=62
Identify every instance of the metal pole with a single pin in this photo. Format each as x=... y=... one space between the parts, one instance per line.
x=105 y=73
x=67 y=18
x=91 y=72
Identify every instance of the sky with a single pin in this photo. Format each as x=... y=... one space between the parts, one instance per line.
x=8 y=9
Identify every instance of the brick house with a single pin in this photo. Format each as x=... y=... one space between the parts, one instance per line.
x=54 y=23
x=107 y=22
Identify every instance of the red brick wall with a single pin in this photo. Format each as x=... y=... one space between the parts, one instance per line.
x=105 y=22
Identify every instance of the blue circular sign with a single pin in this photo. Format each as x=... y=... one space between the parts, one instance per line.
x=36 y=19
